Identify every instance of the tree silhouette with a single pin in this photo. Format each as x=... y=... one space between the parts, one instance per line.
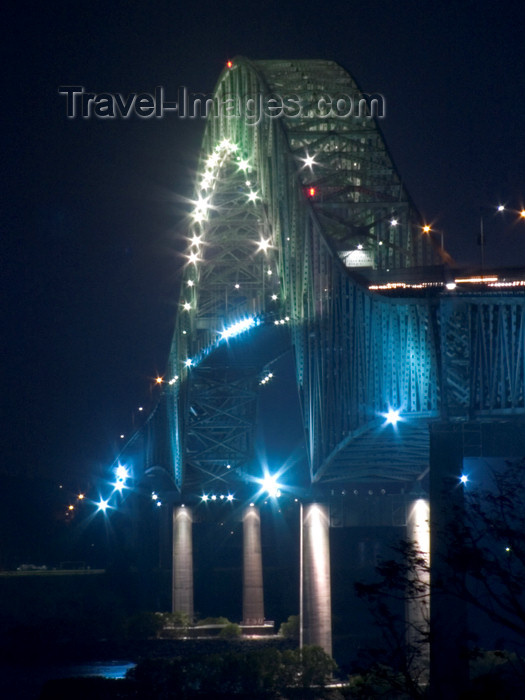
x=480 y=563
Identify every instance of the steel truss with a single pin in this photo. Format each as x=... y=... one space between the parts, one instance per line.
x=279 y=207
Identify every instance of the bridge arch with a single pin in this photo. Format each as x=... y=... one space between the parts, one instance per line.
x=288 y=197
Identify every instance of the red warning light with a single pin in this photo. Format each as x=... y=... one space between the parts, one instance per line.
x=311 y=191
x=229 y=64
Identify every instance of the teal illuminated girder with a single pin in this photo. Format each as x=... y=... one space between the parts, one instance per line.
x=282 y=209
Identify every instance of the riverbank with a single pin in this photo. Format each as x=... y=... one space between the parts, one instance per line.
x=23 y=675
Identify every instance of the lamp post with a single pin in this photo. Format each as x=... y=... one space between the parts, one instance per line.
x=482 y=238
x=500 y=209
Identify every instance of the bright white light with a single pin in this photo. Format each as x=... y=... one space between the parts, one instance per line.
x=394 y=222
x=195 y=239
x=154 y=496
x=188 y=362
x=229 y=497
x=186 y=306
x=253 y=196
x=201 y=206
x=450 y=285
x=207 y=179
x=122 y=472
x=243 y=164
x=238 y=328
x=267 y=378
x=212 y=160
x=392 y=416
x=263 y=244
x=270 y=485
x=193 y=258
x=190 y=283
x=274 y=297
x=360 y=246
x=204 y=497
x=103 y=505
x=463 y=478
x=309 y=161
x=501 y=207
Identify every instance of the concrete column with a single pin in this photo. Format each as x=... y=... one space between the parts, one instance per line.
x=182 y=582
x=317 y=604
x=252 y=582
x=418 y=602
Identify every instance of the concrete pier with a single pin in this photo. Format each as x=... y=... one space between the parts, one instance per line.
x=182 y=582
x=252 y=583
x=316 y=605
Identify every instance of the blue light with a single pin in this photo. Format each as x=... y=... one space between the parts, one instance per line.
x=392 y=416
x=463 y=478
x=122 y=473
x=102 y=505
x=238 y=328
x=270 y=485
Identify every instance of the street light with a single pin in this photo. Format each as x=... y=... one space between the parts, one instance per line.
x=428 y=230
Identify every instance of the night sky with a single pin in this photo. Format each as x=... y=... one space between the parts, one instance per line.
x=91 y=213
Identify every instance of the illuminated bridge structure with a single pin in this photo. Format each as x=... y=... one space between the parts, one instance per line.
x=296 y=203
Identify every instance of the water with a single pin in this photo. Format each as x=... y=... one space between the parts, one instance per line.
x=22 y=682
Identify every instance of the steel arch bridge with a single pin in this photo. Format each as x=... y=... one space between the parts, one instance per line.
x=292 y=192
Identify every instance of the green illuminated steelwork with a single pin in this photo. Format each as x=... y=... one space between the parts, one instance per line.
x=282 y=209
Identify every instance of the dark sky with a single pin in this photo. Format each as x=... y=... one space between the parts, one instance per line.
x=90 y=207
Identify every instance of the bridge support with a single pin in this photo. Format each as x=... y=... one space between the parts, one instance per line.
x=252 y=588
x=418 y=603
x=316 y=606
x=182 y=582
